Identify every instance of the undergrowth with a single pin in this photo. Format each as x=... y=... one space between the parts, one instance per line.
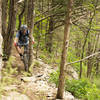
x=82 y=88
x=8 y=76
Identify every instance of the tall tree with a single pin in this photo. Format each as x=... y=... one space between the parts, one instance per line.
x=89 y=63
x=60 y=92
x=1 y=40
x=4 y=18
x=30 y=26
x=92 y=15
x=49 y=36
x=10 y=29
x=22 y=13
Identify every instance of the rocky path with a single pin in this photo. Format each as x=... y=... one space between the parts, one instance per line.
x=35 y=87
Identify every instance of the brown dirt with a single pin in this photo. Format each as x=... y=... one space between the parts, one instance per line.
x=20 y=66
x=17 y=63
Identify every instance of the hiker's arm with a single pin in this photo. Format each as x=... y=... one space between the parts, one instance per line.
x=33 y=40
x=17 y=47
x=16 y=39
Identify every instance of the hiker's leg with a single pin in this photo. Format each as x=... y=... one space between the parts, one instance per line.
x=26 y=50
x=26 y=47
x=18 y=48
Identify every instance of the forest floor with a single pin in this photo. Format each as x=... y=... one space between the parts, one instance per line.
x=34 y=87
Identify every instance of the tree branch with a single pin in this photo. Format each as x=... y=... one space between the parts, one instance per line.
x=47 y=17
x=83 y=58
x=58 y=6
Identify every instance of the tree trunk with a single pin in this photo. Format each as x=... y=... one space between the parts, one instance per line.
x=77 y=45
x=22 y=13
x=49 y=35
x=38 y=40
x=1 y=39
x=89 y=63
x=49 y=38
x=97 y=66
x=4 y=18
x=85 y=41
x=88 y=32
x=30 y=26
x=60 y=92
x=10 y=29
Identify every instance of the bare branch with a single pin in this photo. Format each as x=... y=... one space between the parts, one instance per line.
x=58 y=6
x=83 y=58
x=47 y=17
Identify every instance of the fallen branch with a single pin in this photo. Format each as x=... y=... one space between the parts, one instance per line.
x=83 y=58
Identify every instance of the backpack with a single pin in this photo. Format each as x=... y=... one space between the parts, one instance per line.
x=24 y=38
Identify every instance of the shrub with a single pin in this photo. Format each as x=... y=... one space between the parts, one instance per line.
x=82 y=88
x=54 y=77
x=77 y=87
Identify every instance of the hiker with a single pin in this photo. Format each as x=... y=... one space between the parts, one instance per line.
x=22 y=39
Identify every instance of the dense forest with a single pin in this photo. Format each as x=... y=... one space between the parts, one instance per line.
x=65 y=55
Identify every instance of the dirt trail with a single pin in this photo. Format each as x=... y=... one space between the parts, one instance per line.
x=17 y=63
x=35 y=87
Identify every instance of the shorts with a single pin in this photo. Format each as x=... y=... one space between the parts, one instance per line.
x=21 y=44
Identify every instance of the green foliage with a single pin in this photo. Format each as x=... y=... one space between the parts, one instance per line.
x=8 y=76
x=49 y=58
x=37 y=64
x=26 y=73
x=54 y=77
x=77 y=87
x=9 y=70
x=97 y=81
x=1 y=89
x=93 y=93
x=34 y=64
x=82 y=88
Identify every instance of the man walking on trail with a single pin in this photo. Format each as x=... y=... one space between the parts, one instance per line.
x=22 y=39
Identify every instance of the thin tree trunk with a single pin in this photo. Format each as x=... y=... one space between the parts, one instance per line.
x=10 y=29
x=97 y=59
x=30 y=26
x=84 y=44
x=4 y=18
x=83 y=47
x=22 y=13
x=4 y=21
x=60 y=92
x=1 y=39
x=38 y=40
x=97 y=66
x=77 y=46
x=49 y=36
x=89 y=63
x=47 y=24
